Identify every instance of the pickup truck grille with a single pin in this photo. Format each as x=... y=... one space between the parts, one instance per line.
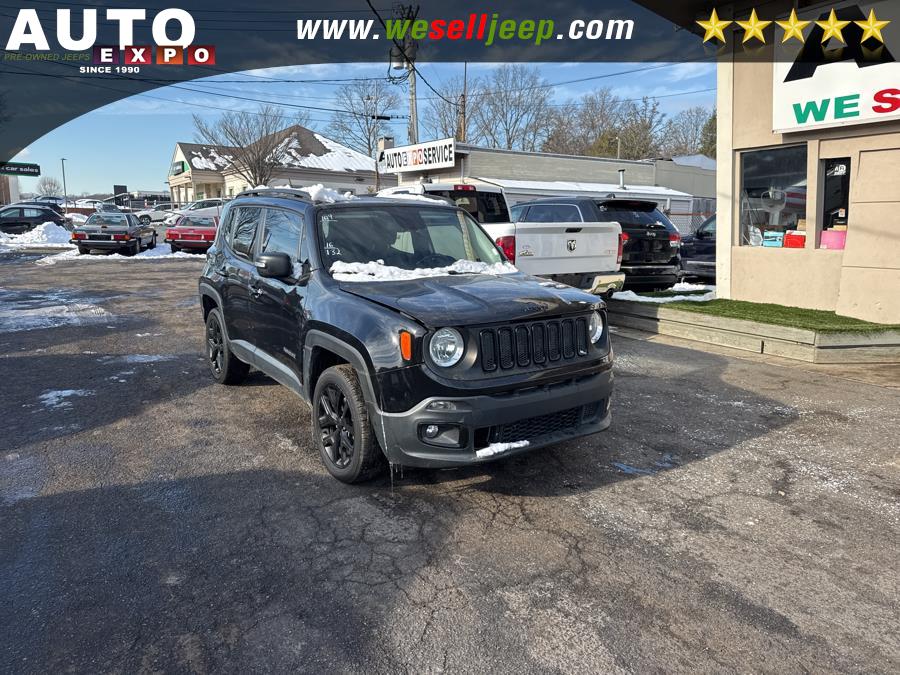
x=537 y=342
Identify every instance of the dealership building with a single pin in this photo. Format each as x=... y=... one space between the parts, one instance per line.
x=685 y=187
x=199 y=171
x=808 y=162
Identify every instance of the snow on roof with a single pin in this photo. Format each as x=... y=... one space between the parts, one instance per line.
x=335 y=157
x=577 y=187
x=699 y=161
x=207 y=157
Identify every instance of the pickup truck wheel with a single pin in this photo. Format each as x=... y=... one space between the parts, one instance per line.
x=341 y=428
x=225 y=367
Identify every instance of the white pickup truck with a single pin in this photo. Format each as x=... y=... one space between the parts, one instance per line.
x=553 y=238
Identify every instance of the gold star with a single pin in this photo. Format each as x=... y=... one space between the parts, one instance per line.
x=793 y=28
x=872 y=27
x=713 y=27
x=832 y=27
x=753 y=28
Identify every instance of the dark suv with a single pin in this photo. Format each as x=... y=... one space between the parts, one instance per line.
x=402 y=326
x=651 y=243
x=21 y=218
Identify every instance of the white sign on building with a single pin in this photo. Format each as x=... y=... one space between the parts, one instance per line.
x=439 y=154
x=837 y=83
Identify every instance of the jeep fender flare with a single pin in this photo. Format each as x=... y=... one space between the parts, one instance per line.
x=318 y=338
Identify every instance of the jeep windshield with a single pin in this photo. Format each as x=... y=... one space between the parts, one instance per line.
x=405 y=242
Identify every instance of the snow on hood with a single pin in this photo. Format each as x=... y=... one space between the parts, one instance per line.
x=320 y=193
x=378 y=271
x=48 y=235
x=161 y=252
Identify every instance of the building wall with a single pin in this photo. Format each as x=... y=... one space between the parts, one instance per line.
x=863 y=280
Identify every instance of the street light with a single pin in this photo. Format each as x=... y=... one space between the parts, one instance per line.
x=65 y=191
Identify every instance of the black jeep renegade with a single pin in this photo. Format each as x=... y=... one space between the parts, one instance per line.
x=402 y=326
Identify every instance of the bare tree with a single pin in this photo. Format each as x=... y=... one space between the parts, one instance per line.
x=48 y=186
x=588 y=126
x=361 y=126
x=256 y=140
x=708 y=137
x=442 y=119
x=641 y=127
x=683 y=133
x=512 y=109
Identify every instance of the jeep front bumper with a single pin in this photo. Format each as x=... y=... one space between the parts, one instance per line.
x=475 y=429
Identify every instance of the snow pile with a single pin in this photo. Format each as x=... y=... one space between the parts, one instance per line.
x=161 y=252
x=48 y=235
x=378 y=271
x=320 y=193
x=18 y=316
x=497 y=448
x=77 y=218
x=685 y=286
x=631 y=296
x=57 y=398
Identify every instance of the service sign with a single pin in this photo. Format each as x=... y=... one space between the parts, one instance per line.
x=851 y=80
x=419 y=157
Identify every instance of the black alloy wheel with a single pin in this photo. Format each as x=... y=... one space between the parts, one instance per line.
x=336 y=426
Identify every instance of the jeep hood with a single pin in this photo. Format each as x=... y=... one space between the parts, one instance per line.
x=468 y=299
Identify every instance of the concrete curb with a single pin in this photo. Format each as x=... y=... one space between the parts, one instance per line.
x=761 y=338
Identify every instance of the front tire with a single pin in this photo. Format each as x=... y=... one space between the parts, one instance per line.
x=341 y=428
x=225 y=367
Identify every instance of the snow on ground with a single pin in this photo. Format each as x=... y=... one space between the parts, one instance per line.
x=631 y=296
x=685 y=286
x=58 y=398
x=161 y=252
x=16 y=316
x=48 y=235
x=497 y=448
x=378 y=271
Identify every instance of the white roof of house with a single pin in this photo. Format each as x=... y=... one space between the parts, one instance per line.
x=574 y=188
x=699 y=161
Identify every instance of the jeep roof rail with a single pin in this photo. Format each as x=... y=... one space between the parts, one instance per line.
x=293 y=193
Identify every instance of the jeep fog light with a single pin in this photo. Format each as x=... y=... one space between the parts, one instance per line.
x=595 y=327
x=446 y=347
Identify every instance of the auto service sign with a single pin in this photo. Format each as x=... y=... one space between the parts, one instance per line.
x=839 y=82
x=439 y=154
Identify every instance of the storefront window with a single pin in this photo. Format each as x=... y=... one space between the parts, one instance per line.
x=835 y=202
x=773 y=196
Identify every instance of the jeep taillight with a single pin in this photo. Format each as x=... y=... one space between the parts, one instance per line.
x=507 y=244
x=675 y=239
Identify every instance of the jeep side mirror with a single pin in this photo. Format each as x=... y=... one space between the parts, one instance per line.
x=274 y=265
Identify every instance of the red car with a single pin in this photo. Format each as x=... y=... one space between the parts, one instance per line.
x=192 y=233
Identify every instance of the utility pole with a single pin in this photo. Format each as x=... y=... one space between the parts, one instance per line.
x=65 y=191
x=461 y=108
x=403 y=57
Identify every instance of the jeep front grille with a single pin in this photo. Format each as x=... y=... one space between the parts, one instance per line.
x=534 y=428
x=533 y=343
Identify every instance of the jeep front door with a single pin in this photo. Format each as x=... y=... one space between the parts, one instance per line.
x=276 y=305
x=238 y=272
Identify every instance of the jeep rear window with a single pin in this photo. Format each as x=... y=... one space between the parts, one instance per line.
x=408 y=237
x=635 y=215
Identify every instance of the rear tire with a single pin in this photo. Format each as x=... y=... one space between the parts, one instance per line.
x=175 y=249
x=225 y=367
x=341 y=428
x=152 y=243
x=83 y=251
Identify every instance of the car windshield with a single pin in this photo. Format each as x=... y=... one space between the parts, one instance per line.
x=635 y=214
x=405 y=237
x=485 y=207
x=117 y=219
x=196 y=221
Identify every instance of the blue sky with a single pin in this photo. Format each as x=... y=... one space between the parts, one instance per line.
x=131 y=141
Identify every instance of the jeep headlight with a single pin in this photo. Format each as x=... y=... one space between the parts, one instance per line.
x=595 y=327
x=446 y=347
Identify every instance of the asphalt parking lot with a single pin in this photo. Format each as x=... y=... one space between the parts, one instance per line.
x=739 y=515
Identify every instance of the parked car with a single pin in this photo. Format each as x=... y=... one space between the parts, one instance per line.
x=113 y=232
x=192 y=233
x=566 y=239
x=108 y=207
x=651 y=243
x=87 y=203
x=200 y=207
x=473 y=362
x=155 y=213
x=19 y=218
x=42 y=204
x=698 y=251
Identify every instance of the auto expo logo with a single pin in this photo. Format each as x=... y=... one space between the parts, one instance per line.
x=173 y=32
